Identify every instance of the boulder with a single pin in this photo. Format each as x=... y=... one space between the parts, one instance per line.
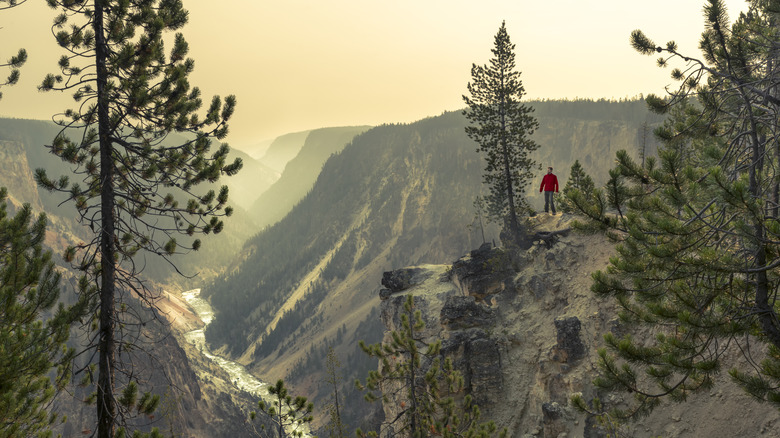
x=570 y=347
x=402 y=279
x=483 y=272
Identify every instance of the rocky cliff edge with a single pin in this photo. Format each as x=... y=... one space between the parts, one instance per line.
x=524 y=332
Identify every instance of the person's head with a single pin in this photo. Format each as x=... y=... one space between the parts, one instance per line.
x=549 y=170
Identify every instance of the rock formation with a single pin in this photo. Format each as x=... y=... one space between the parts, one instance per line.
x=524 y=332
x=16 y=175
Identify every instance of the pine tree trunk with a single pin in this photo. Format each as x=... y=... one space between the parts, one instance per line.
x=510 y=193
x=415 y=425
x=279 y=416
x=514 y=227
x=765 y=311
x=338 y=413
x=106 y=404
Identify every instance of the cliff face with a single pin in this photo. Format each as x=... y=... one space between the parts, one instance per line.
x=197 y=398
x=593 y=142
x=16 y=175
x=524 y=334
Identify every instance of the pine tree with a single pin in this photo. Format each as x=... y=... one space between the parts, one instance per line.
x=579 y=181
x=34 y=328
x=288 y=415
x=336 y=427
x=135 y=187
x=698 y=225
x=502 y=128
x=412 y=376
x=14 y=62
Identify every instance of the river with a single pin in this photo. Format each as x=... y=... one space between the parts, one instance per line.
x=239 y=376
x=237 y=372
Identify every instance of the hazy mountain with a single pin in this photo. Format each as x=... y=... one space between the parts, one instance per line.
x=397 y=195
x=253 y=179
x=16 y=175
x=257 y=150
x=283 y=149
x=300 y=173
x=33 y=135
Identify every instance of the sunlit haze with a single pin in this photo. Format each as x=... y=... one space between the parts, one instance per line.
x=297 y=65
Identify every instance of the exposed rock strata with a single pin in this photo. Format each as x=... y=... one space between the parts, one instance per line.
x=524 y=332
x=16 y=175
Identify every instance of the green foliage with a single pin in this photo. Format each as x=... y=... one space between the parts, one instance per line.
x=145 y=405
x=289 y=415
x=35 y=362
x=697 y=226
x=607 y=425
x=412 y=377
x=169 y=410
x=502 y=128
x=132 y=186
x=578 y=181
x=14 y=62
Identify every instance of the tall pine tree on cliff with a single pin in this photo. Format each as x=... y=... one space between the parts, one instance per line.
x=502 y=127
x=135 y=188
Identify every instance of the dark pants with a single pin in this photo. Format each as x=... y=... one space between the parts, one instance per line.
x=548 y=201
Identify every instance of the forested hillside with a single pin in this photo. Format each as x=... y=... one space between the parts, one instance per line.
x=397 y=195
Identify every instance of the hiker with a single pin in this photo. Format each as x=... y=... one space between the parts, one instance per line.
x=549 y=185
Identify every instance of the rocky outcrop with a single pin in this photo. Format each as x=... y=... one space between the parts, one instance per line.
x=523 y=329
x=462 y=312
x=483 y=272
x=402 y=279
x=570 y=347
x=457 y=304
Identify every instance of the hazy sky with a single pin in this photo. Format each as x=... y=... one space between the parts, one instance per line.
x=303 y=64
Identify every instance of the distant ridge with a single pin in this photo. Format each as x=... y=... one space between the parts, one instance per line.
x=300 y=173
x=283 y=149
x=257 y=150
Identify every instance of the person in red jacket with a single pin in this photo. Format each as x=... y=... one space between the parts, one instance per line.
x=549 y=185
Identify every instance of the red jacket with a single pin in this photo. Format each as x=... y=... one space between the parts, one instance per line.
x=549 y=183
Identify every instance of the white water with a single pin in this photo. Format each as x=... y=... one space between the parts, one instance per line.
x=238 y=374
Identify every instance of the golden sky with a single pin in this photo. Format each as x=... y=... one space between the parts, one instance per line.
x=304 y=64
